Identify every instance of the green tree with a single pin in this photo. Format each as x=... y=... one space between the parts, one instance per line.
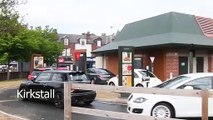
x=10 y=27
x=45 y=42
x=18 y=43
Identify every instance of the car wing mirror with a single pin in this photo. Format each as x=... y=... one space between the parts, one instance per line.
x=188 y=87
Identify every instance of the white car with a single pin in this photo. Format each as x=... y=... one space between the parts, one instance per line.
x=139 y=79
x=169 y=106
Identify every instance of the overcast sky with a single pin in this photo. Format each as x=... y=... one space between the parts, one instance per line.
x=104 y=16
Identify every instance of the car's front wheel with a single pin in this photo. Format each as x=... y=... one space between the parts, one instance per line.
x=59 y=100
x=163 y=110
x=23 y=92
x=112 y=84
x=139 y=85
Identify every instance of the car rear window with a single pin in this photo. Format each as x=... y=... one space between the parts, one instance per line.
x=102 y=71
x=36 y=73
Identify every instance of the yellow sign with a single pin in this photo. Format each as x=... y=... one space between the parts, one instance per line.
x=127 y=81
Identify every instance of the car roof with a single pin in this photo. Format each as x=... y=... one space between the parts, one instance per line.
x=63 y=71
x=140 y=70
x=42 y=69
x=197 y=75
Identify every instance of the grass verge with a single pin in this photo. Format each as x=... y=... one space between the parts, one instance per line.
x=5 y=84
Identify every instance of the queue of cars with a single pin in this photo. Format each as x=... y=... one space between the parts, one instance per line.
x=166 y=106
x=47 y=80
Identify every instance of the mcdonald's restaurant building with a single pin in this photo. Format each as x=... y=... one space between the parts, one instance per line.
x=179 y=43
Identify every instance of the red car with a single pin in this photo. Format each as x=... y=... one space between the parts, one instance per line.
x=36 y=72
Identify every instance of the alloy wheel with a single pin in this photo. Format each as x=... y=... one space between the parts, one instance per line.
x=59 y=100
x=162 y=110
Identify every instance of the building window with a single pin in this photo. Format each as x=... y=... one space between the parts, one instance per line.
x=65 y=41
x=66 y=52
x=83 y=41
x=99 y=43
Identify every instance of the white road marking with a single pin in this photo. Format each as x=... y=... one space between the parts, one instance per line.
x=2 y=101
x=12 y=116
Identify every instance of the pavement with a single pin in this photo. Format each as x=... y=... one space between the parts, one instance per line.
x=8 y=85
x=101 y=96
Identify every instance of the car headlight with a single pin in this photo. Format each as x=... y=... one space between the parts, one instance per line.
x=139 y=100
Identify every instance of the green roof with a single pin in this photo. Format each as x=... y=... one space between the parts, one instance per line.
x=169 y=28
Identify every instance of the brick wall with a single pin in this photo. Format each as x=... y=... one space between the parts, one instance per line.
x=172 y=65
x=112 y=63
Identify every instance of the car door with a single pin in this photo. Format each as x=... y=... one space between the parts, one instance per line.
x=193 y=105
x=56 y=83
x=147 y=74
x=153 y=79
x=43 y=87
x=37 y=85
x=90 y=73
x=137 y=79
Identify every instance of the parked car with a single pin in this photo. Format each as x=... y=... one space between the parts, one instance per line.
x=36 y=72
x=169 y=106
x=53 y=80
x=140 y=79
x=99 y=75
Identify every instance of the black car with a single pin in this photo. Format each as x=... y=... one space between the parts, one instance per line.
x=99 y=75
x=49 y=85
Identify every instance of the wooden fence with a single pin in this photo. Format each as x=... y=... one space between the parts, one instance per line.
x=68 y=109
x=13 y=75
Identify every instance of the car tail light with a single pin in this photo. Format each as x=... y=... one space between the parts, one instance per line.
x=30 y=77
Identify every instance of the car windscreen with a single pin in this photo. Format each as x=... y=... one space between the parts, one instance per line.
x=145 y=73
x=170 y=83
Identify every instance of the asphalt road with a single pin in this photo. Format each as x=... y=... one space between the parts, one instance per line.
x=42 y=110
